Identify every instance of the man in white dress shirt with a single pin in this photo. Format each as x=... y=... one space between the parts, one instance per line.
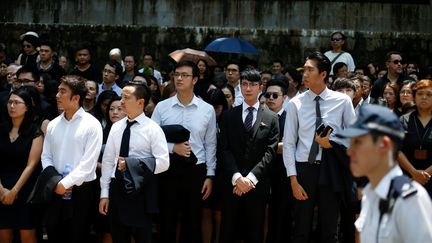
x=394 y=208
x=303 y=149
x=73 y=140
x=185 y=186
x=232 y=73
x=147 y=140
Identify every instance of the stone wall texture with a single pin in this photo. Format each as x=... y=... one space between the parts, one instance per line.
x=284 y=29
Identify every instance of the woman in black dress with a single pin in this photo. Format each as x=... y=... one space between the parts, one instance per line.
x=417 y=146
x=20 y=150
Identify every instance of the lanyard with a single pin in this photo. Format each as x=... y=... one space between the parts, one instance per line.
x=418 y=133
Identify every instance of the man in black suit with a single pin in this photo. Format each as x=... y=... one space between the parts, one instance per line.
x=280 y=203
x=249 y=138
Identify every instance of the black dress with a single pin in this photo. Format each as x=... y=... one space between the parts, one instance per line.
x=417 y=136
x=13 y=160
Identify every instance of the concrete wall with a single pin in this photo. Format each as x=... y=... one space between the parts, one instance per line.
x=280 y=29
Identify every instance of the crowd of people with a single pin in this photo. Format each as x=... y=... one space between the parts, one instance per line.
x=206 y=154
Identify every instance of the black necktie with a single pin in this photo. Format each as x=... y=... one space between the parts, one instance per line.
x=314 y=148
x=124 y=152
x=249 y=118
x=124 y=146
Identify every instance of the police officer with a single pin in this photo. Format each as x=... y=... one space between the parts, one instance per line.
x=394 y=208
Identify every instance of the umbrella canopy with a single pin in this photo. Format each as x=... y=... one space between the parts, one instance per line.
x=231 y=45
x=192 y=55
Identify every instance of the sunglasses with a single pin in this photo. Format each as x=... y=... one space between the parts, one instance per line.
x=396 y=62
x=267 y=95
x=336 y=39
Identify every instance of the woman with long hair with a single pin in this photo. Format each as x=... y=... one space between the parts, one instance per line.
x=20 y=148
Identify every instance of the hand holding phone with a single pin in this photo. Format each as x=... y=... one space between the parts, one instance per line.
x=320 y=129
x=325 y=131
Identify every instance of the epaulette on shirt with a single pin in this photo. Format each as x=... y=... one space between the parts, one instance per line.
x=400 y=186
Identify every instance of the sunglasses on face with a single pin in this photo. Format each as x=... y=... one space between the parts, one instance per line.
x=273 y=95
x=336 y=39
x=396 y=62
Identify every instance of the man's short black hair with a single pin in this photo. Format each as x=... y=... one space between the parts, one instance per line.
x=338 y=66
x=195 y=70
x=47 y=43
x=343 y=83
x=278 y=82
x=278 y=61
x=323 y=63
x=250 y=75
x=142 y=91
x=266 y=72
x=25 y=69
x=117 y=66
x=77 y=85
x=390 y=53
x=235 y=62
x=82 y=47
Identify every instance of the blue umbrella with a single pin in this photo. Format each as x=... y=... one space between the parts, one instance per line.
x=231 y=45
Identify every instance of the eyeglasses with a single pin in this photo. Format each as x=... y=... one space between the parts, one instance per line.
x=424 y=93
x=405 y=92
x=14 y=102
x=396 y=62
x=182 y=75
x=24 y=81
x=250 y=84
x=336 y=39
x=273 y=95
x=108 y=71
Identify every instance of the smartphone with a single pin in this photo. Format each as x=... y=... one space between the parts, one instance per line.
x=320 y=129
x=325 y=131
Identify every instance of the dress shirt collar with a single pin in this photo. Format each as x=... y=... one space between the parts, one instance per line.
x=280 y=111
x=384 y=185
x=140 y=118
x=323 y=95
x=79 y=113
x=176 y=101
x=246 y=106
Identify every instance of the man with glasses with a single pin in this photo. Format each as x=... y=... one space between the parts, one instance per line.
x=394 y=75
x=232 y=73
x=188 y=181
x=249 y=135
x=111 y=73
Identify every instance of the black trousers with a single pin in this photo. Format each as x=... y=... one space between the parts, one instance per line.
x=180 y=193
x=280 y=209
x=68 y=221
x=243 y=217
x=121 y=232
x=324 y=197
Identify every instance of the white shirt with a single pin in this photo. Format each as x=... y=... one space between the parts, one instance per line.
x=345 y=58
x=146 y=140
x=359 y=105
x=76 y=142
x=114 y=88
x=238 y=96
x=200 y=119
x=336 y=110
x=409 y=221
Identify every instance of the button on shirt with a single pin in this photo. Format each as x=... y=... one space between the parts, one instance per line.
x=76 y=142
x=409 y=220
x=146 y=140
x=199 y=118
x=336 y=110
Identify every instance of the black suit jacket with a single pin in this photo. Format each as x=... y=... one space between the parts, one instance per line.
x=252 y=151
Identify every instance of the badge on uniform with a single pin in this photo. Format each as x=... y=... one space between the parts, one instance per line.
x=420 y=154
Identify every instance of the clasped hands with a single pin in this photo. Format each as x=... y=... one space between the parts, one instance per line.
x=7 y=197
x=182 y=149
x=243 y=186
